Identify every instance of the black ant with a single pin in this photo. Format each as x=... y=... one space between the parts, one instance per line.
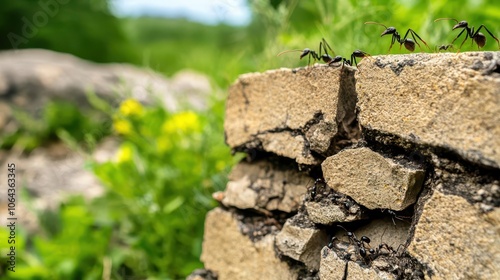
x=350 y=235
x=357 y=54
x=325 y=57
x=444 y=47
x=354 y=55
x=477 y=36
x=358 y=243
x=395 y=215
x=409 y=43
x=319 y=186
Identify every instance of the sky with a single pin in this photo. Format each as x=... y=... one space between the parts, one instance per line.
x=234 y=12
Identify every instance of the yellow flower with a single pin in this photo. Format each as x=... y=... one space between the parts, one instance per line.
x=163 y=144
x=122 y=126
x=131 y=107
x=182 y=122
x=220 y=165
x=124 y=154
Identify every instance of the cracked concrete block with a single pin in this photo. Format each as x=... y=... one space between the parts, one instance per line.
x=448 y=100
x=301 y=242
x=456 y=241
x=332 y=267
x=232 y=255
x=291 y=113
x=264 y=185
x=373 y=180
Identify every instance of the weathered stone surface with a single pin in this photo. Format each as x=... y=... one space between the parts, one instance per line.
x=332 y=267
x=456 y=240
x=232 y=255
x=202 y=274
x=384 y=230
x=447 y=100
x=327 y=214
x=50 y=174
x=373 y=180
x=287 y=112
x=265 y=185
x=301 y=243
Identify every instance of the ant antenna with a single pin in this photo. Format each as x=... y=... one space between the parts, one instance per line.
x=378 y=23
x=288 y=52
x=445 y=19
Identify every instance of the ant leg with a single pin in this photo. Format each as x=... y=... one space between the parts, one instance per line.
x=415 y=33
x=320 y=46
x=477 y=31
x=353 y=60
x=392 y=42
x=459 y=34
x=466 y=37
x=327 y=46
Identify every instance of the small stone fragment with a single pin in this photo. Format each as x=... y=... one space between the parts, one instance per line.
x=301 y=242
x=232 y=255
x=264 y=185
x=373 y=180
x=328 y=214
x=332 y=267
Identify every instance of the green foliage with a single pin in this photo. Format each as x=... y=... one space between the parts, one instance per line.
x=84 y=28
x=57 y=119
x=150 y=221
x=160 y=185
x=71 y=244
x=341 y=23
x=169 y=45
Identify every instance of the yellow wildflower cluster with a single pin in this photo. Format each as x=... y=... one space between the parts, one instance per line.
x=181 y=123
x=124 y=153
x=131 y=107
x=122 y=126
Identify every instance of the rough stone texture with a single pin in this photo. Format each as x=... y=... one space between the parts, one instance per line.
x=332 y=267
x=232 y=255
x=456 y=240
x=202 y=274
x=287 y=112
x=422 y=165
x=301 y=243
x=265 y=185
x=327 y=214
x=384 y=230
x=51 y=174
x=373 y=180
x=445 y=100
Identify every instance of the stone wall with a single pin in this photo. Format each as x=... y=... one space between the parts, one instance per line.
x=388 y=172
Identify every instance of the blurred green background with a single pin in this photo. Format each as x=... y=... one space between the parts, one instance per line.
x=149 y=224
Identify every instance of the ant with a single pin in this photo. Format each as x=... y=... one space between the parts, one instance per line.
x=395 y=215
x=477 y=36
x=409 y=43
x=444 y=47
x=358 y=243
x=319 y=185
x=354 y=55
x=326 y=58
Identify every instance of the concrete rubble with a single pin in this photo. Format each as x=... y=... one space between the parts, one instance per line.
x=360 y=178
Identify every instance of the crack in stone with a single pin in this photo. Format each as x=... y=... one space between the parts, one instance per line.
x=396 y=68
x=451 y=173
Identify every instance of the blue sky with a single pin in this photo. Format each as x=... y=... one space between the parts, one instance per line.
x=234 y=12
